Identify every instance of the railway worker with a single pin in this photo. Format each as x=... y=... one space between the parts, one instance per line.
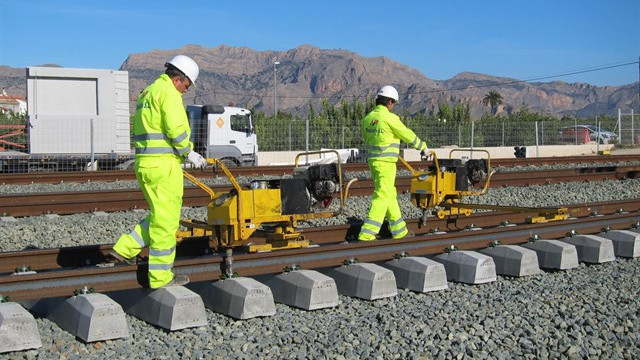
x=382 y=131
x=162 y=141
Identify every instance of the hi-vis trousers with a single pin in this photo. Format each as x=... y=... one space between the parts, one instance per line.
x=161 y=181
x=384 y=203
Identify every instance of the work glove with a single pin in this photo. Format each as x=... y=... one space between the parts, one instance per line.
x=423 y=153
x=196 y=159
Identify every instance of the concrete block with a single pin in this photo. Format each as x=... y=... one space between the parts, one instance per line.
x=418 y=274
x=172 y=308
x=18 y=329
x=305 y=289
x=239 y=297
x=554 y=254
x=365 y=281
x=513 y=260
x=592 y=248
x=91 y=317
x=468 y=267
x=625 y=243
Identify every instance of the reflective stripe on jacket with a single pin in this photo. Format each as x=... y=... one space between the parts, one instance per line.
x=160 y=123
x=382 y=131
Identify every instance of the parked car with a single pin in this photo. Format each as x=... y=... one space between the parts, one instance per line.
x=586 y=133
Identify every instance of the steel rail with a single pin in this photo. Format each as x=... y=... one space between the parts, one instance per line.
x=209 y=267
x=63 y=203
x=48 y=259
x=128 y=175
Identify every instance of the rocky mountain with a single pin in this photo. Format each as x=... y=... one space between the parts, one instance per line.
x=245 y=77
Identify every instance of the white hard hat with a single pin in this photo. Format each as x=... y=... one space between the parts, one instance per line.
x=389 y=91
x=187 y=66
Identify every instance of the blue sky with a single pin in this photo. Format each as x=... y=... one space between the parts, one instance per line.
x=525 y=40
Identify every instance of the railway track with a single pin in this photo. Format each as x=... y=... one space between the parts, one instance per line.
x=57 y=274
x=30 y=204
x=110 y=176
x=60 y=272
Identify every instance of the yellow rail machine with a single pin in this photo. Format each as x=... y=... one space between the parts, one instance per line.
x=263 y=216
x=446 y=181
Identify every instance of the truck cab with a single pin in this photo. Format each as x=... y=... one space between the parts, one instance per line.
x=225 y=133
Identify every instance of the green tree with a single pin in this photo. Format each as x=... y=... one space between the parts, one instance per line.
x=493 y=99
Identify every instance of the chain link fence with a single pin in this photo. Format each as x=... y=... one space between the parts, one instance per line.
x=308 y=134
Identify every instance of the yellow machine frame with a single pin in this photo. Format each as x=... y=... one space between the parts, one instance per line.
x=430 y=189
x=234 y=217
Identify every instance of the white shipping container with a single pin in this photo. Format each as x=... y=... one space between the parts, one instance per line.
x=64 y=104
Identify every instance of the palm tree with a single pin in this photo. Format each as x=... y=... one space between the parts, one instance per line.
x=493 y=98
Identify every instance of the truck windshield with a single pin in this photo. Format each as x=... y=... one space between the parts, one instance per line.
x=241 y=123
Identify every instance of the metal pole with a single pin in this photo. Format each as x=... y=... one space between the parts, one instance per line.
x=290 y=134
x=92 y=141
x=307 y=140
x=537 y=141
x=598 y=139
x=620 y=126
x=473 y=128
x=275 y=103
x=633 y=135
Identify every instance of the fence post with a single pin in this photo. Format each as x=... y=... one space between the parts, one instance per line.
x=633 y=135
x=473 y=128
x=620 y=125
x=537 y=141
x=92 y=134
x=307 y=140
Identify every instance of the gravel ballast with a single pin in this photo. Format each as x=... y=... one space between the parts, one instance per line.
x=590 y=312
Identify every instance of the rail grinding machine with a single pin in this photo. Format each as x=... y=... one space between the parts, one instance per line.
x=445 y=182
x=263 y=215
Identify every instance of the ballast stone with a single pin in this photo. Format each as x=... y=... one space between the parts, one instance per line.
x=554 y=254
x=592 y=248
x=513 y=260
x=304 y=289
x=365 y=281
x=238 y=297
x=468 y=267
x=172 y=308
x=18 y=329
x=418 y=274
x=626 y=243
x=91 y=317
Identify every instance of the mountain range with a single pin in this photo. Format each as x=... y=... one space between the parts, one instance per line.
x=306 y=74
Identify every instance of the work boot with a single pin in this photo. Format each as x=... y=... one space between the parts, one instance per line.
x=178 y=280
x=409 y=234
x=114 y=257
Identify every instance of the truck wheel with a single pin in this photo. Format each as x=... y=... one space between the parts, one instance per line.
x=229 y=162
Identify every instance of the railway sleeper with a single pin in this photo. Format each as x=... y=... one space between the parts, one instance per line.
x=95 y=317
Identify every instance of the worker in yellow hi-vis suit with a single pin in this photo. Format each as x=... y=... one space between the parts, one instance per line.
x=382 y=131
x=161 y=135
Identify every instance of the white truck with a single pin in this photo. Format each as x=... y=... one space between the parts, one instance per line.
x=225 y=133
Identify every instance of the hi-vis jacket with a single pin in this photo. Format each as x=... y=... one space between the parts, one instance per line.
x=160 y=124
x=382 y=131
